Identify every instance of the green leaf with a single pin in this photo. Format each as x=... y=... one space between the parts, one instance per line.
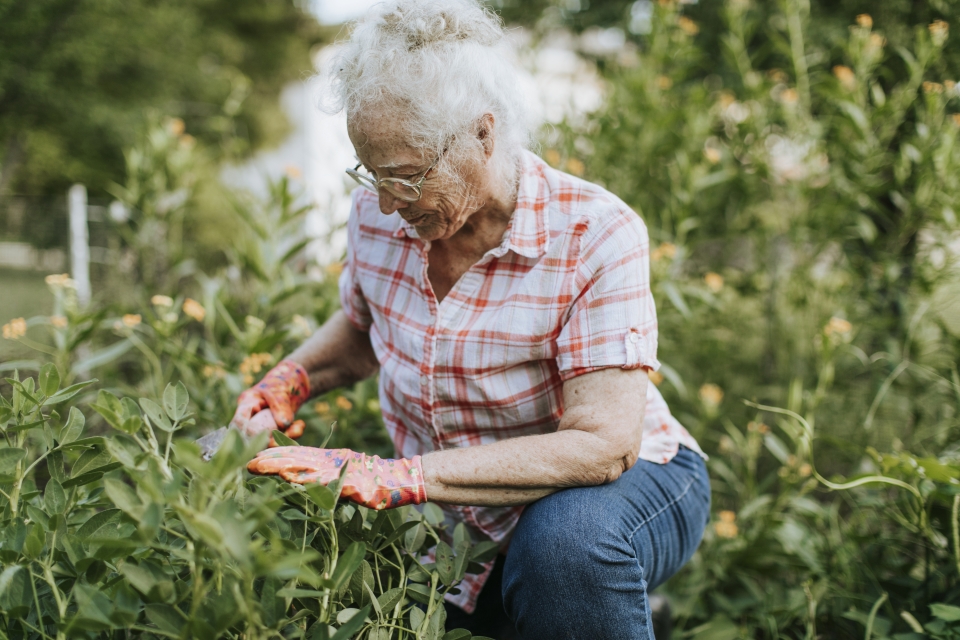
x=14 y=588
x=65 y=394
x=299 y=593
x=321 y=495
x=419 y=592
x=54 y=499
x=445 y=563
x=38 y=516
x=123 y=497
x=131 y=416
x=9 y=459
x=175 y=400
x=49 y=379
x=284 y=440
x=150 y=521
x=484 y=551
x=110 y=407
x=166 y=618
x=353 y=625
x=73 y=427
x=389 y=599
x=946 y=612
x=33 y=545
x=96 y=522
x=458 y=634
x=416 y=618
x=90 y=460
x=347 y=564
x=156 y=415
x=55 y=466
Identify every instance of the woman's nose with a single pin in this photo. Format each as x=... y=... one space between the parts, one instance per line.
x=389 y=203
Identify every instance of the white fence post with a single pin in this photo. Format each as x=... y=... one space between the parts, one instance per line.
x=79 y=243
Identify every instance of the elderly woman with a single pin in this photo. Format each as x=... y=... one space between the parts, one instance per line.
x=507 y=308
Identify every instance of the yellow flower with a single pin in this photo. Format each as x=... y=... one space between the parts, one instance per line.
x=59 y=322
x=846 y=76
x=194 y=309
x=789 y=96
x=60 y=280
x=655 y=377
x=131 y=320
x=758 y=426
x=837 y=326
x=373 y=405
x=323 y=408
x=877 y=40
x=805 y=470
x=552 y=156
x=712 y=154
x=932 y=87
x=214 y=371
x=665 y=250
x=714 y=281
x=161 y=301
x=335 y=269
x=293 y=172
x=727 y=526
x=711 y=395
x=176 y=126
x=689 y=26
x=255 y=362
x=248 y=379
x=343 y=403
x=16 y=328
x=575 y=167
x=956 y=119
x=938 y=31
x=865 y=21
x=187 y=141
x=664 y=83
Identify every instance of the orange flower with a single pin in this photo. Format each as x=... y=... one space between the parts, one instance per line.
x=176 y=127
x=194 y=309
x=664 y=83
x=727 y=526
x=837 y=326
x=938 y=31
x=335 y=269
x=59 y=322
x=712 y=154
x=131 y=320
x=293 y=172
x=575 y=167
x=214 y=371
x=16 y=328
x=60 y=280
x=255 y=362
x=956 y=118
x=552 y=156
x=343 y=403
x=846 y=76
x=711 y=395
x=323 y=408
x=714 y=281
x=789 y=96
x=655 y=377
x=877 y=40
x=758 y=426
x=161 y=301
x=932 y=87
x=666 y=250
x=865 y=21
x=688 y=26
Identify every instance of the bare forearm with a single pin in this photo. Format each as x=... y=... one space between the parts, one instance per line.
x=337 y=354
x=521 y=470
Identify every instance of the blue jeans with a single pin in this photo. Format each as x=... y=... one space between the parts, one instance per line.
x=582 y=560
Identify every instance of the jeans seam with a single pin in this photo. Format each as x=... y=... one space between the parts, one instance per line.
x=658 y=513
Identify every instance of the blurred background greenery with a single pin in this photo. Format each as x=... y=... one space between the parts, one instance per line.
x=797 y=163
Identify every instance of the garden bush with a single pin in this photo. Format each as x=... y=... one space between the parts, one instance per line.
x=801 y=194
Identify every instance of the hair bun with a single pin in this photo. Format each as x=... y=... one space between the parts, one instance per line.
x=423 y=23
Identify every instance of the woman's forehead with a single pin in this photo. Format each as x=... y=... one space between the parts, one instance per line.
x=381 y=141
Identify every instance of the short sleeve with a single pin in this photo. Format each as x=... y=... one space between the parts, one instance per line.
x=352 y=301
x=612 y=321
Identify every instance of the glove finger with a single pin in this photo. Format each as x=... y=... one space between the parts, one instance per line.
x=262 y=422
x=248 y=404
x=300 y=476
x=296 y=429
x=276 y=465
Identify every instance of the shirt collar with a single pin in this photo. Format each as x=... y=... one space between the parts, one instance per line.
x=528 y=234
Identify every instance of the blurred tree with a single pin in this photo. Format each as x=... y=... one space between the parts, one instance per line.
x=77 y=77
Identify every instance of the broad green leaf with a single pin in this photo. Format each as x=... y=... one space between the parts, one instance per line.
x=49 y=379
x=90 y=460
x=175 y=400
x=419 y=592
x=445 y=563
x=131 y=416
x=33 y=545
x=389 y=599
x=14 y=588
x=96 y=522
x=433 y=514
x=359 y=581
x=458 y=634
x=54 y=499
x=9 y=459
x=284 y=440
x=347 y=630
x=484 y=551
x=946 y=612
x=463 y=559
x=55 y=466
x=150 y=521
x=460 y=534
x=123 y=497
x=321 y=495
x=38 y=516
x=416 y=618
x=156 y=415
x=73 y=427
x=415 y=538
x=347 y=564
x=65 y=394
x=166 y=618
x=110 y=407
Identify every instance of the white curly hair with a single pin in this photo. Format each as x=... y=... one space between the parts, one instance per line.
x=441 y=65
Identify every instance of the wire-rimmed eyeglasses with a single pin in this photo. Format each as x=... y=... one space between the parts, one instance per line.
x=406 y=190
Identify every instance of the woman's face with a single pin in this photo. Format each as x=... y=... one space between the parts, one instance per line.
x=446 y=204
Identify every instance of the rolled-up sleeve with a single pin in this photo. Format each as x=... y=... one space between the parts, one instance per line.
x=352 y=300
x=612 y=321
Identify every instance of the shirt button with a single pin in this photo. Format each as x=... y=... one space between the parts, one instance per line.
x=634 y=337
x=424 y=380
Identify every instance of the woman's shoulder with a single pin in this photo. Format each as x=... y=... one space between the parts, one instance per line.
x=577 y=206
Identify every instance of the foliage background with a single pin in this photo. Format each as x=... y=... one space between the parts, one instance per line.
x=798 y=165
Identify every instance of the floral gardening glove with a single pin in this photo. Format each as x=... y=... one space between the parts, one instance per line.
x=271 y=403
x=370 y=481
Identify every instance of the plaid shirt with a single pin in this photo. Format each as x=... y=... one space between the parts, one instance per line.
x=566 y=292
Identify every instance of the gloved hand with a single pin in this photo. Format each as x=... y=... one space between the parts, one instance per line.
x=272 y=403
x=369 y=481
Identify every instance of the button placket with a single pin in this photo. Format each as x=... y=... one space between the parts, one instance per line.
x=428 y=365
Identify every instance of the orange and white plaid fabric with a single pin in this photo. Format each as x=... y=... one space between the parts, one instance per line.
x=566 y=292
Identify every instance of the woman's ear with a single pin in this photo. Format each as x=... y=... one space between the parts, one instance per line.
x=485 y=133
